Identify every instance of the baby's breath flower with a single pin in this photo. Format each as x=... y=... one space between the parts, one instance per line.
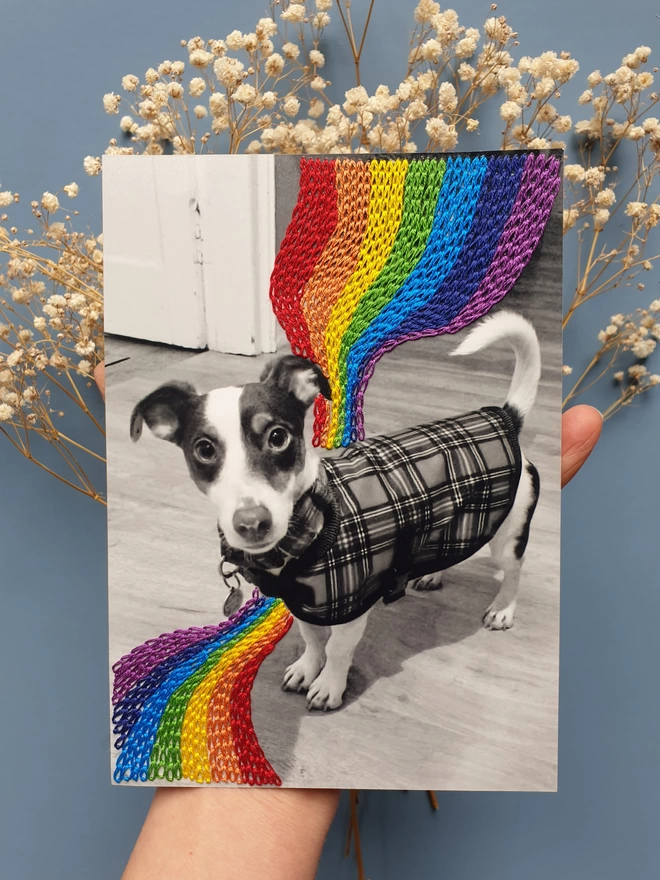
x=128 y=124
x=268 y=100
x=441 y=133
x=644 y=348
x=635 y=133
x=291 y=105
x=317 y=58
x=250 y=42
x=636 y=371
x=71 y=189
x=200 y=58
x=605 y=198
x=601 y=216
x=618 y=376
x=316 y=108
x=218 y=104
x=497 y=29
x=425 y=11
x=295 y=13
x=151 y=76
x=49 y=202
x=321 y=20
x=291 y=50
x=318 y=84
x=274 y=65
x=472 y=125
x=267 y=27
x=447 y=98
x=6 y=199
x=509 y=111
x=196 y=86
x=594 y=176
x=654 y=379
x=245 y=94
x=92 y=165
x=562 y=124
x=466 y=72
x=6 y=412
x=175 y=90
x=200 y=111
x=323 y=5
x=636 y=209
x=235 y=40
x=130 y=82
x=228 y=70
x=111 y=102
x=14 y=358
x=566 y=370
x=177 y=68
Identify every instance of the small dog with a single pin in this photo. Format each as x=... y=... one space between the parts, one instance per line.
x=333 y=536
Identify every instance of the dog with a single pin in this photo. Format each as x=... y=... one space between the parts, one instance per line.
x=291 y=521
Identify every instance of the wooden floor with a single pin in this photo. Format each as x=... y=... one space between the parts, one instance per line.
x=434 y=700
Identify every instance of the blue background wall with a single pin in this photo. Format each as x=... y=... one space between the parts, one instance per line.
x=59 y=816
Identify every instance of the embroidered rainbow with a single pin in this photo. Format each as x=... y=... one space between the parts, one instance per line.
x=182 y=701
x=381 y=251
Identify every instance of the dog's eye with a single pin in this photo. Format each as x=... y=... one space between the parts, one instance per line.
x=278 y=439
x=204 y=451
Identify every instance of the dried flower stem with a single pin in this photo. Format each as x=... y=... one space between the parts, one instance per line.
x=347 y=22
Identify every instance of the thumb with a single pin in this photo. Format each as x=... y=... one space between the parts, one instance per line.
x=99 y=378
x=580 y=430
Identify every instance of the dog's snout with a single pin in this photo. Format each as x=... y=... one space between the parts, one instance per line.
x=253 y=523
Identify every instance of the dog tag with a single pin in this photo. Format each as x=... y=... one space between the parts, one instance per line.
x=233 y=601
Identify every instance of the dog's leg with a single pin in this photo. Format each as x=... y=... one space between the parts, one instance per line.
x=299 y=675
x=508 y=548
x=327 y=690
x=428 y=582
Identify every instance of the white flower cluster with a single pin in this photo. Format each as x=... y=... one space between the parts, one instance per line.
x=638 y=334
x=55 y=282
x=242 y=87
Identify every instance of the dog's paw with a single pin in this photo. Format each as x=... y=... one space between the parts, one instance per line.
x=299 y=675
x=500 y=619
x=428 y=582
x=326 y=691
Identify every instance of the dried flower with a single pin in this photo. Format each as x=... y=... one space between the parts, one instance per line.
x=49 y=202
x=295 y=13
x=92 y=165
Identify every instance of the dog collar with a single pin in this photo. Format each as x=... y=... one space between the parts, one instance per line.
x=312 y=530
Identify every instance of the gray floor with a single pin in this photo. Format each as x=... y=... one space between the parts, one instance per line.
x=434 y=701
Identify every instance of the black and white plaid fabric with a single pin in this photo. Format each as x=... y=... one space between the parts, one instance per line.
x=392 y=508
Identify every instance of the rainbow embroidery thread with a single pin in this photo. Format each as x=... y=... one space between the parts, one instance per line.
x=405 y=248
x=182 y=701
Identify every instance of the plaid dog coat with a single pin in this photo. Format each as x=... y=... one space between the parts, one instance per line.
x=390 y=509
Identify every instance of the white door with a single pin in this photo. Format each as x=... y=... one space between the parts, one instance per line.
x=189 y=243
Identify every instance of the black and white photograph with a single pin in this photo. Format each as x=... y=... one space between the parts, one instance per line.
x=333 y=435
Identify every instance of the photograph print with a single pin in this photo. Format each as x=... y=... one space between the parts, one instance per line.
x=333 y=416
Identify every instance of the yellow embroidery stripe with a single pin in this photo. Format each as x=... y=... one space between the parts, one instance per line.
x=385 y=211
x=194 y=750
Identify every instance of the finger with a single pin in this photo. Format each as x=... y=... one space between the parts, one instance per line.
x=99 y=378
x=580 y=430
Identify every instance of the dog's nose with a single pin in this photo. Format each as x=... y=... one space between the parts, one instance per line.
x=252 y=523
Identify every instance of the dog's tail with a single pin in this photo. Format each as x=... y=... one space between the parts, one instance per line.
x=521 y=336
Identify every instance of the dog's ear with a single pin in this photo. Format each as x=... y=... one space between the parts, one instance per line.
x=165 y=411
x=300 y=377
